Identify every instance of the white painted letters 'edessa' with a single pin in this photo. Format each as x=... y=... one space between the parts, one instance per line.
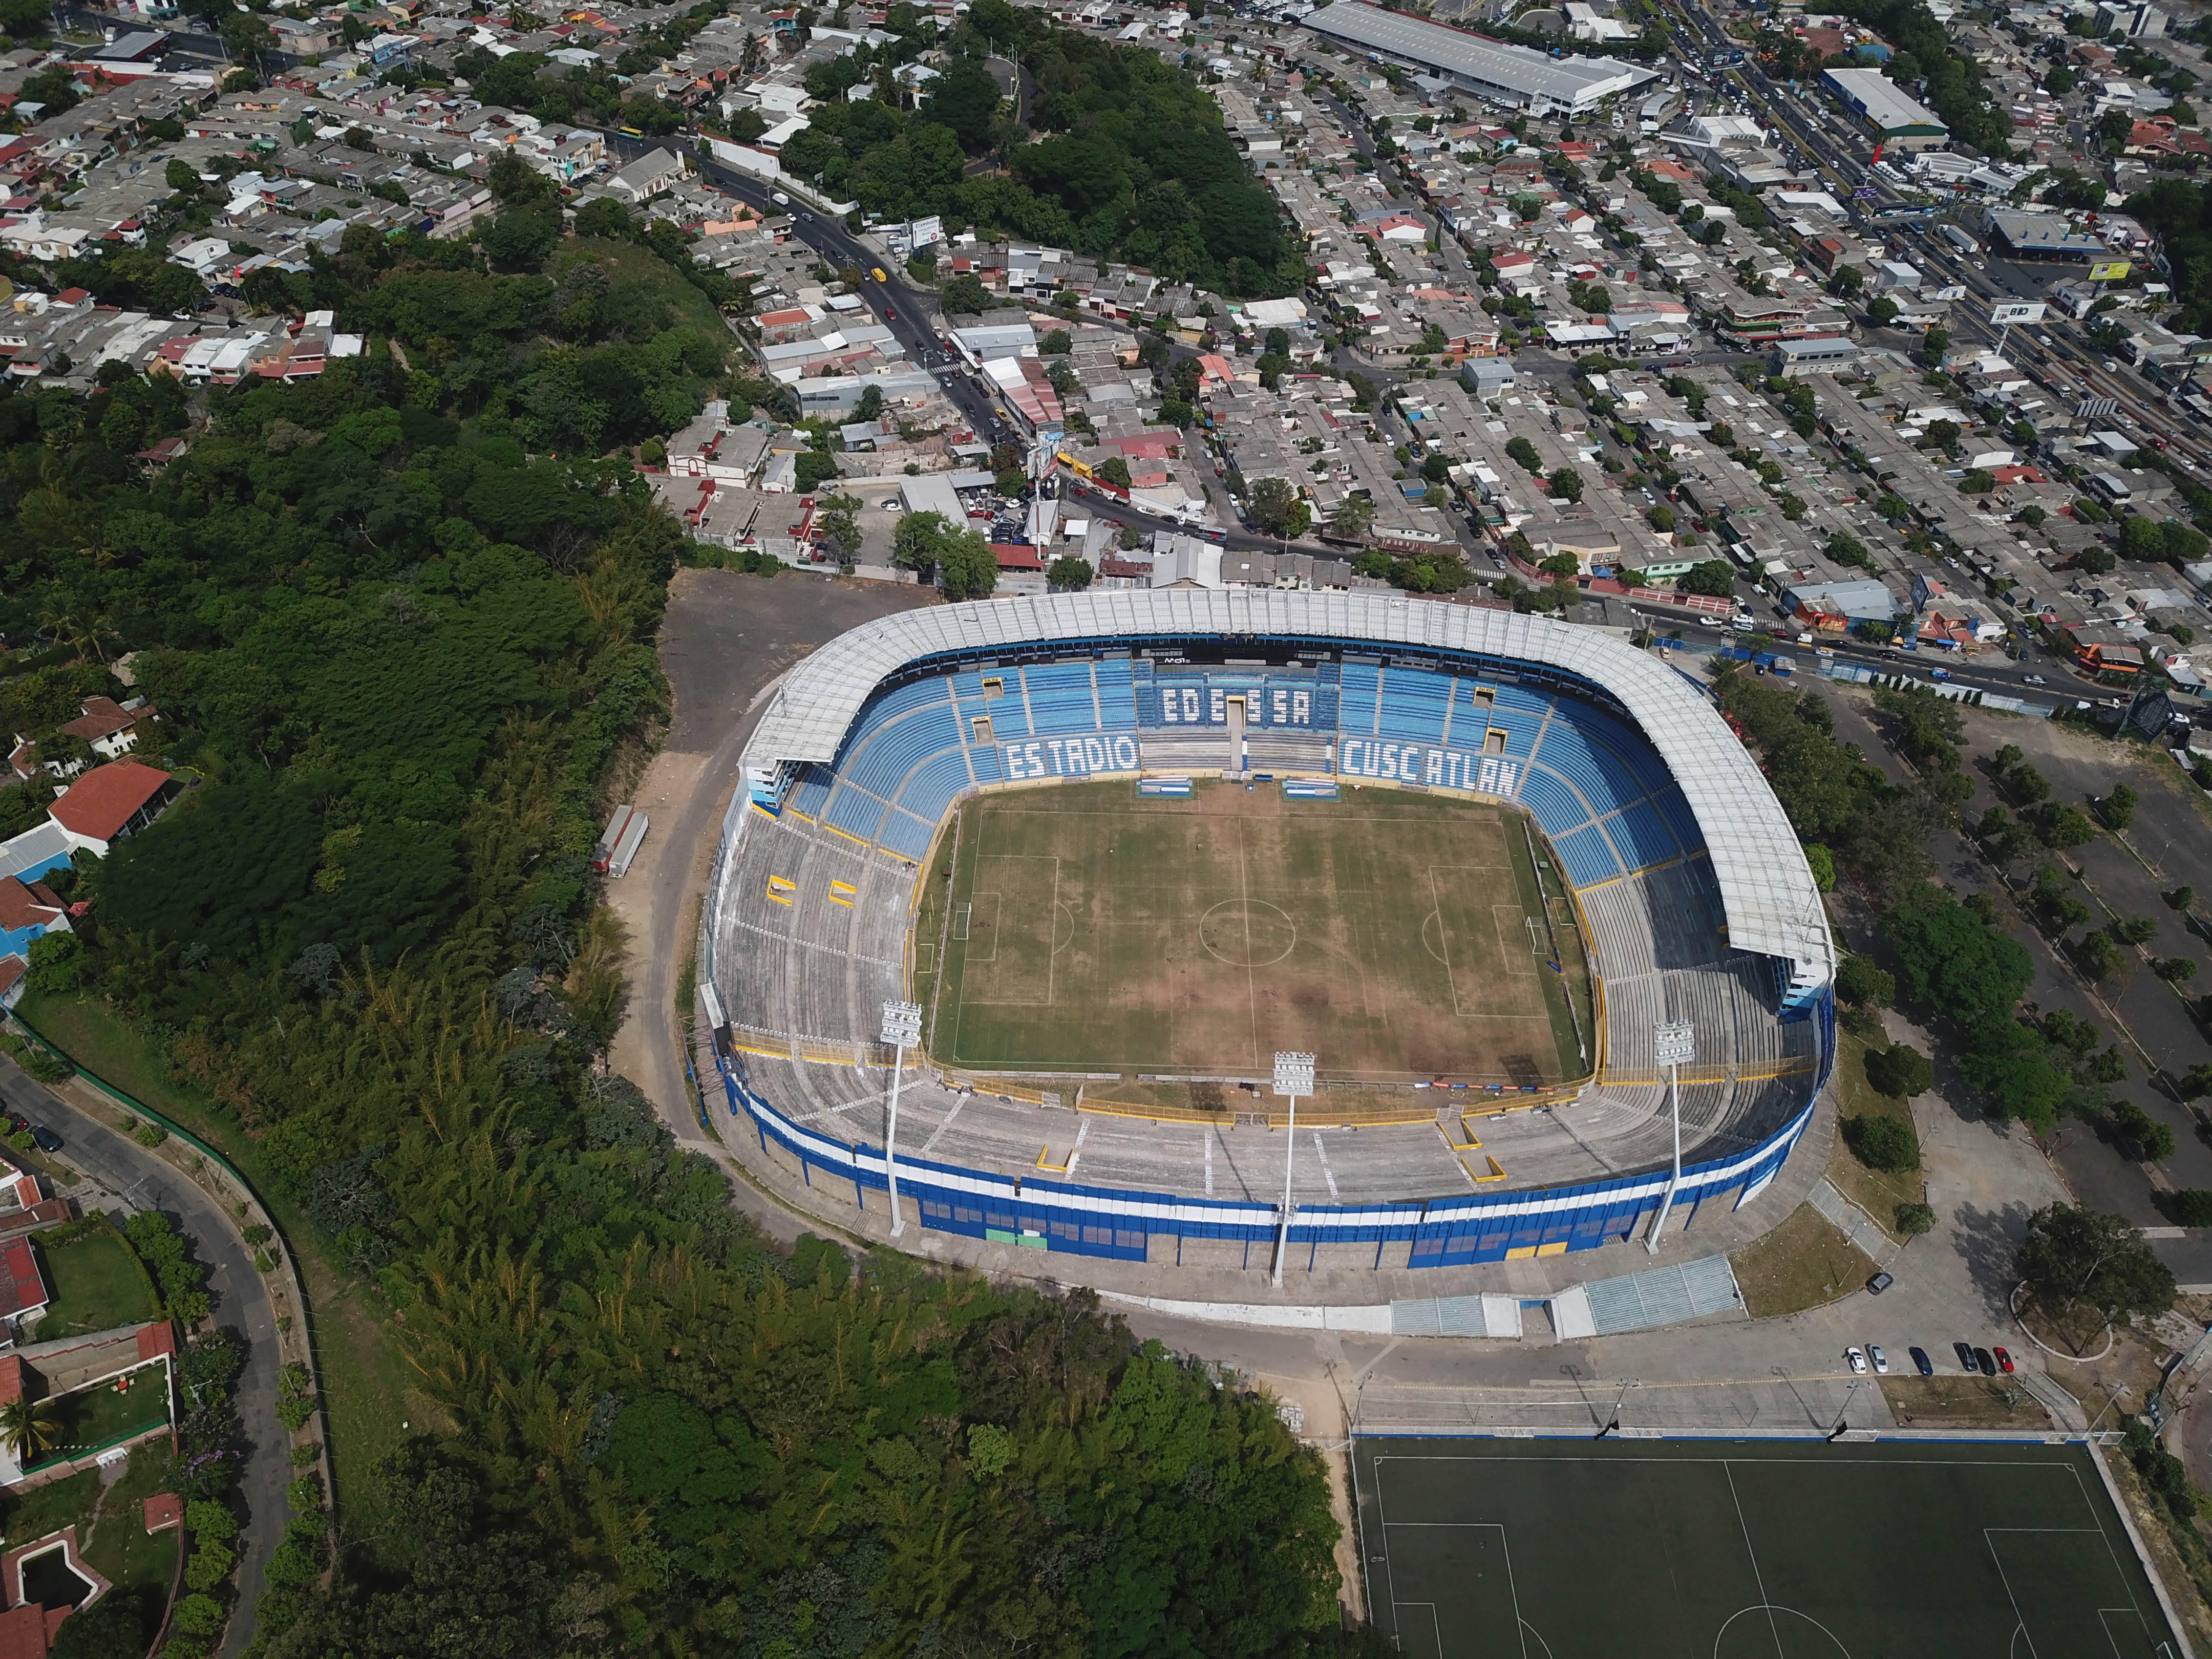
x=1428 y=763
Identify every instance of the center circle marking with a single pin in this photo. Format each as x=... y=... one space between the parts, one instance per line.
x=1247 y=933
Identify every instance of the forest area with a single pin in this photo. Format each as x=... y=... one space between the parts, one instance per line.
x=400 y=625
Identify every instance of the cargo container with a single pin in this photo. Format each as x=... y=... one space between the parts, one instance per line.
x=633 y=836
x=610 y=838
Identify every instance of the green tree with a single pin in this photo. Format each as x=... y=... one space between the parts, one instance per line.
x=966 y=568
x=1352 y=517
x=1712 y=578
x=2143 y=1137
x=964 y=294
x=1069 y=575
x=2074 y=1256
x=1521 y=450
x=1950 y=960
x=1566 y=484
x=1115 y=471
x=1662 y=518
x=2117 y=809
x=1881 y=311
x=1276 y=509
x=29 y=1428
x=1915 y=1219
x=1882 y=1142
x=1863 y=983
x=838 y=519
x=1900 y=1071
x=2192 y=1206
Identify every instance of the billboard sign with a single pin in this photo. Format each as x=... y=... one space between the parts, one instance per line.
x=2110 y=270
x=2017 y=310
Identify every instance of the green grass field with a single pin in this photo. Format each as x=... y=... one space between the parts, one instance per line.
x=1398 y=936
x=1749 y=1550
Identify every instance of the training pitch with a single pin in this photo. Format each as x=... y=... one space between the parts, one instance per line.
x=1400 y=938
x=1749 y=1550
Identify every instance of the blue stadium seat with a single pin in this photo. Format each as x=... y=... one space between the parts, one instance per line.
x=854 y=811
x=1060 y=699
x=889 y=752
x=929 y=793
x=1675 y=807
x=907 y=835
x=1117 y=695
x=1588 y=860
x=1556 y=809
x=1604 y=783
x=1520 y=715
x=1641 y=835
x=812 y=791
x=1414 y=703
x=1356 y=710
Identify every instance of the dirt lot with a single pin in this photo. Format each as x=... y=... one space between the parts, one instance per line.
x=726 y=638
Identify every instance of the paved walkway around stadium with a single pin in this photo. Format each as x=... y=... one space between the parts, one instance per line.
x=726 y=641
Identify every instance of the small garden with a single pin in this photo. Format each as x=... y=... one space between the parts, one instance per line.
x=88 y=1421
x=111 y=1538
x=94 y=1280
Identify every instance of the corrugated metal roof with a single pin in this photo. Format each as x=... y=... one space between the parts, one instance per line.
x=1767 y=887
x=1567 y=81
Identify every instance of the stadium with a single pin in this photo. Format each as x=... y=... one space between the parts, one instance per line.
x=1122 y=846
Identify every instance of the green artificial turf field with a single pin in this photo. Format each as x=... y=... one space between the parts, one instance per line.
x=1716 y=1549
x=1397 y=937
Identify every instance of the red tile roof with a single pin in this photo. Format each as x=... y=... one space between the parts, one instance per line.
x=23 y=1632
x=99 y=803
x=1017 y=555
x=164 y=1510
x=157 y=1340
x=27 y=904
x=11 y=969
x=20 y=1287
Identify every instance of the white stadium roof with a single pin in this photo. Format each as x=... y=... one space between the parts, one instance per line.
x=1519 y=74
x=1766 y=886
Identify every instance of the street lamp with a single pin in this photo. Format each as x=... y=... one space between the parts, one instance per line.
x=1673 y=1042
x=903 y=1030
x=1294 y=1076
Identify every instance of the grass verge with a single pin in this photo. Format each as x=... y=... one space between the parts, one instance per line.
x=1873 y=1191
x=110 y=1520
x=364 y=1379
x=1805 y=1262
x=1960 y=1401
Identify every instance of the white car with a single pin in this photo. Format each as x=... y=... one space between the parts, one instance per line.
x=1880 y=1360
x=1857 y=1359
x=778 y=198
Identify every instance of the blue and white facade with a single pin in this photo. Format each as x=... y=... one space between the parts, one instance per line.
x=1622 y=763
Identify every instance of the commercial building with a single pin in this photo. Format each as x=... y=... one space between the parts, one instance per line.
x=1899 y=122
x=1514 y=76
x=2044 y=236
x=1791 y=358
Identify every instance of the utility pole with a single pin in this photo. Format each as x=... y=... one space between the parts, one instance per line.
x=1671 y=1043
x=903 y=1030
x=1294 y=1076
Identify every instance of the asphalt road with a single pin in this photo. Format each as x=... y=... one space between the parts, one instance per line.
x=122 y=1178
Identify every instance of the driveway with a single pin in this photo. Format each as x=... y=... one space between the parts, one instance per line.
x=725 y=642
x=122 y=1177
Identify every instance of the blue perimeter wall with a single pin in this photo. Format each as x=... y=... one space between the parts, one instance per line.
x=1114 y=1222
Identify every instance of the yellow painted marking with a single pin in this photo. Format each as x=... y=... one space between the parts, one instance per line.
x=1497 y=1170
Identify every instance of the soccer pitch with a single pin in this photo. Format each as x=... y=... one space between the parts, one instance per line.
x=1749 y=1550
x=1399 y=937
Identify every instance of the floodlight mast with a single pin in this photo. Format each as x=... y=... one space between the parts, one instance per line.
x=1673 y=1043
x=901 y=1030
x=1294 y=1076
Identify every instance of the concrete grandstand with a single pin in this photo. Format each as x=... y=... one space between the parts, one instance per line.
x=1693 y=896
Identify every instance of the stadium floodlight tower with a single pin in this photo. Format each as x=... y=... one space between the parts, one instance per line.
x=1674 y=1045
x=903 y=1030
x=1294 y=1076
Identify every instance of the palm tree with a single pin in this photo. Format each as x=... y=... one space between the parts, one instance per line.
x=28 y=1427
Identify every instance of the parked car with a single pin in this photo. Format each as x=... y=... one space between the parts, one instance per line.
x=1966 y=1357
x=1984 y=1364
x=1857 y=1361
x=2034 y=679
x=44 y=1138
x=1920 y=1362
x=1879 y=1283
x=2004 y=1360
x=1881 y=1359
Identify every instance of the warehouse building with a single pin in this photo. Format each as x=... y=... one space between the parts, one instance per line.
x=2044 y=236
x=1899 y=122
x=1513 y=77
